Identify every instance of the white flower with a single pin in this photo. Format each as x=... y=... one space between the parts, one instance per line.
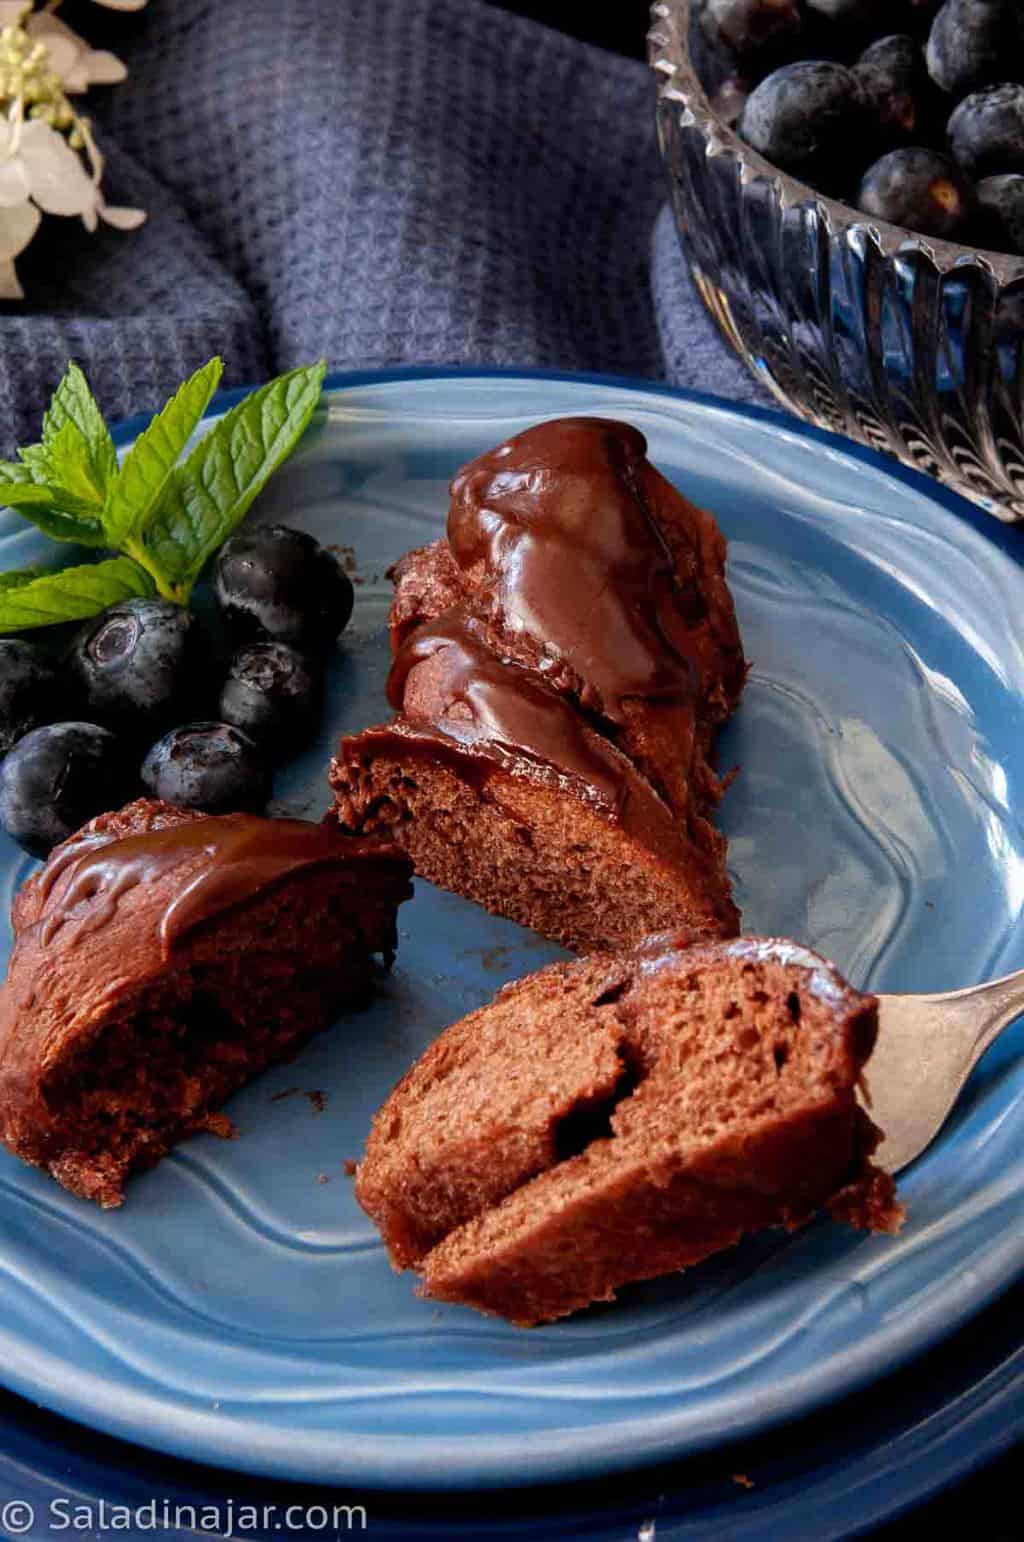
x=49 y=161
x=18 y=224
x=70 y=56
x=37 y=163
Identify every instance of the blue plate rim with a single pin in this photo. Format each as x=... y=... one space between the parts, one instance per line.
x=599 y=1451
x=338 y=380
x=963 y=1432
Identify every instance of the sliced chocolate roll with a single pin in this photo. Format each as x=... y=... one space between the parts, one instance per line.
x=161 y=959
x=620 y=1117
x=563 y=661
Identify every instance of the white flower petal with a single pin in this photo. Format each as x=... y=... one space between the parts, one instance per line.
x=105 y=68
x=10 y=289
x=76 y=81
x=122 y=5
x=90 y=219
x=60 y=183
x=65 y=55
x=45 y=25
x=11 y=12
x=17 y=227
x=14 y=185
x=121 y=217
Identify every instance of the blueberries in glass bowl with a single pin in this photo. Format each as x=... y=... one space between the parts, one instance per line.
x=875 y=98
x=899 y=95
x=918 y=188
x=808 y=118
x=1001 y=213
x=973 y=43
x=751 y=26
x=986 y=132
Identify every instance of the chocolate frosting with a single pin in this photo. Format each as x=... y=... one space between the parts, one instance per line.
x=574 y=559
x=230 y=858
x=481 y=700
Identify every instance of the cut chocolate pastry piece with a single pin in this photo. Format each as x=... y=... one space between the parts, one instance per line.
x=562 y=663
x=161 y=958
x=617 y=1118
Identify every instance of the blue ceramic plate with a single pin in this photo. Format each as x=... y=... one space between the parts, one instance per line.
x=240 y=1310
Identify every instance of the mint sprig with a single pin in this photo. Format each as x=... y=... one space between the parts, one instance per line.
x=165 y=518
x=71 y=594
x=227 y=470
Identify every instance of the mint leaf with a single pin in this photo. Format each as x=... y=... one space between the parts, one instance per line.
x=16 y=579
x=72 y=594
x=12 y=474
x=215 y=488
x=73 y=402
x=42 y=506
x=35 y=462
x=71 y=468
x=149 y=465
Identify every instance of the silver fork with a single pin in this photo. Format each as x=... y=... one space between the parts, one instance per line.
x=927 y=1047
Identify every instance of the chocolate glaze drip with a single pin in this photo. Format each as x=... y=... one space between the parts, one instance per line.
x=480 y=700
x=575 y=559
x=231 y=858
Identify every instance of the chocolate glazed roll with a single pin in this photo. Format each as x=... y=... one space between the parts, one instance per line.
x=162 y=958
x=563 y=661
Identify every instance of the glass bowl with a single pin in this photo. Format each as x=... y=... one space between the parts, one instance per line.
x=908 y=344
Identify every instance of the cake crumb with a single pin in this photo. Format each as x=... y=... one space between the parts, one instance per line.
x=317 y=1099
x=350 y=1167
x=742 y=1479
x=219 y=1125
x=647 y=1533
x=347 y=555
x=322 y=1178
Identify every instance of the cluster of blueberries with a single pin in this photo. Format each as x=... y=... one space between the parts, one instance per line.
x=912 y=110
x=87 y=728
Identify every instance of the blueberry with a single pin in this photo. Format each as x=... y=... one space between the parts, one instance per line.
x=973 y=42
x=136 y=663
x=272 y=693
x=1001 y=213
x=30 y=691
x=810 y=119
x=918 y=188
x=750 y=26
x=209 y=766
x=57 y=778
x=271 y=581
x=850 y=13
x=986 y=132
x=895 y=83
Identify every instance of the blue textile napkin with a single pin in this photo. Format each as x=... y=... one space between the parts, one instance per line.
x=377 y=181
